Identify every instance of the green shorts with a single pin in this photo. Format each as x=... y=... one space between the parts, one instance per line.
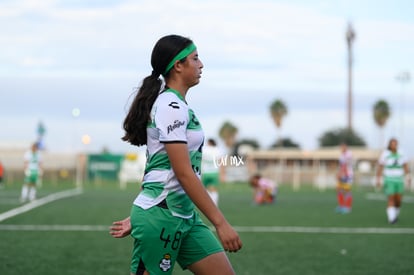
x=32 y=177
x=210 y=179
x=393 y=185
x=162 y=239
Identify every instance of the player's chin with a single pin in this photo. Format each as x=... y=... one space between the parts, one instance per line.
x=196 y=81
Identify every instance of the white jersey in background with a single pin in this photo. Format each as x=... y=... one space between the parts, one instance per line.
x=393 y=163
x=211 y=159
x=33 y=160
x=345 y=162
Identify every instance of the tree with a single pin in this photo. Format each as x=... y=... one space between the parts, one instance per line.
x=341 y=135
x=278 y=110
x=285 y=143
x=245 y=145
x=381 y=112
x=228 y=134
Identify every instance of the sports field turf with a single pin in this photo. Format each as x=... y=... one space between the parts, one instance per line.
x=299 y=234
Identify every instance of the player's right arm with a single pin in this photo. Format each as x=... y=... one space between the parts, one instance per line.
x=379 y=175
x=380 y=169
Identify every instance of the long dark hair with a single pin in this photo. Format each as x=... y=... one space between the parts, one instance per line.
x=135 y=123
x=391 y=141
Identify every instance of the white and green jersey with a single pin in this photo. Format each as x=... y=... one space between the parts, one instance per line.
x=393 y=163
x=32 y=159
x=172 y=121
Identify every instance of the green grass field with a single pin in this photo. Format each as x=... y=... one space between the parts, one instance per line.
x=299 y=234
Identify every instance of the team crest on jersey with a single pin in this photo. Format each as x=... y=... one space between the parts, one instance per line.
x=165 y=263
x=175 y=125
x=194 y=120
x=193 y=123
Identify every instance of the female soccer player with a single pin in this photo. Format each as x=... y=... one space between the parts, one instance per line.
x=392 y=165
x=344 y=177
x=264 y=189
x=32 y=172
x=163 y=220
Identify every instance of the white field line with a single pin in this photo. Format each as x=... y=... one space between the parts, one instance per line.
x=56 y=227
x=331 y=230
x=244 y=229
x=36 y=203
x=383 y=197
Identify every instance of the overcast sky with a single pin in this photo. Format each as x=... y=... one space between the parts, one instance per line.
x=57 y=55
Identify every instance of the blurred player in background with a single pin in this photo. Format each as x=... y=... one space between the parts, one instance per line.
x=393 y=169
x=32 y=172
x=345 y=178
x=265 y=190
x=1 y=175
x=211 y=172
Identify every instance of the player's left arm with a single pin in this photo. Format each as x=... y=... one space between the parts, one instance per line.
x=407 y=174
x=222 y=173
x=40 y=165
x=180 y=162
x=120 y=229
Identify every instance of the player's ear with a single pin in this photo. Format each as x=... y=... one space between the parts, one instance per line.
x=178 y=66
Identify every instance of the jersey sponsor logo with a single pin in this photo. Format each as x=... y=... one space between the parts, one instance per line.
x=174 y=105
x=165 y=263
x=175 y=125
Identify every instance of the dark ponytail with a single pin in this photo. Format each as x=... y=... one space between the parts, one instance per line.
x=136 y=121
